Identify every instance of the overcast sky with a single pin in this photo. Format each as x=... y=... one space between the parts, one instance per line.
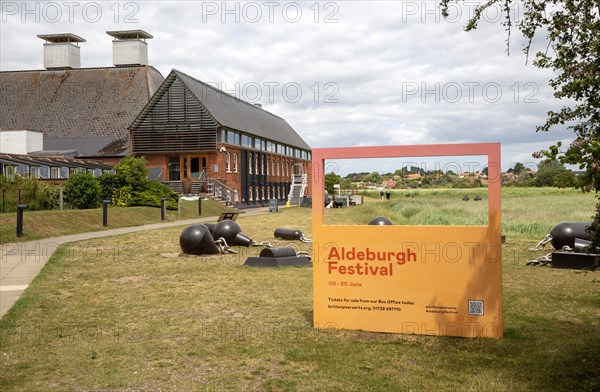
x=342 y=73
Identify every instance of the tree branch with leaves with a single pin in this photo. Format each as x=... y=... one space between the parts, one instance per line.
x=572 y=33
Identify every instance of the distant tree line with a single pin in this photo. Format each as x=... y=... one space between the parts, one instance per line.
x=549 y=173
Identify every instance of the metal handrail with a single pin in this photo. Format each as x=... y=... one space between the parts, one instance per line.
x=218 y=187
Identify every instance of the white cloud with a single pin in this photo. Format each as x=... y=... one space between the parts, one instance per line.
x=373 y=56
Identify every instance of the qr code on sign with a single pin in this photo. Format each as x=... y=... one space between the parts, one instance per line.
x=475 y=308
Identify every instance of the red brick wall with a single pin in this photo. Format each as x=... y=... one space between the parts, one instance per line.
x=277 y=172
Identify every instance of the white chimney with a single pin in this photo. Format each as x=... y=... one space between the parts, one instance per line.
x=61 y=50
x=130 y=47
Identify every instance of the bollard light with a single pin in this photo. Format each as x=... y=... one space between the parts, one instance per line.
x=20 y=208
x=163 y=209
x=105 y=204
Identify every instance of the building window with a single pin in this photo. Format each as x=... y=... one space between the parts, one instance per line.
x=257 y=143
x=174 y=168
x=250 y=195
x=267 y=165
x=250 y=163
x=228 y=162
x=233 y=137
x=10 y=171
x=256 y=170
x=235 y=163
x=236 y=196
x=257 y=196
x=216 y=168
x=34 y=172
x=262 y=194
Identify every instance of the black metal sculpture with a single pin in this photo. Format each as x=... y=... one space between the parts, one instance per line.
x=278 y=257
x=196 y=240
x=571 y=239
x=380 y=221
x=290 y=234
x=231 y=234
x=564 y=234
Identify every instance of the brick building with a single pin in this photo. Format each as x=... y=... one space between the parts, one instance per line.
x=204 y=140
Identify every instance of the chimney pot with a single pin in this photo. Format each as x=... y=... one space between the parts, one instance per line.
x=130 y=47
x=61 y=50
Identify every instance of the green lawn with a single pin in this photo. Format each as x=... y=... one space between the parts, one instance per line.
x=43 y=224
x=132 y=313
x=526 y=212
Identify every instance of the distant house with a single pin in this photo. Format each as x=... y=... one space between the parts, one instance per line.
x=81 y=112
x=204 y=140
x=389 y=184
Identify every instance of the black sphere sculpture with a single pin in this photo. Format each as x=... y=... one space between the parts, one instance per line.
x=242 y=239
x=380 y=221
x=231 y=233
x=226 y=229
x=211 y=226
x=288 y=234
x=566 y=232
x=196 y=240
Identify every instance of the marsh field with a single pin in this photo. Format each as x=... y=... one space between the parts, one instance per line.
x=131 y=313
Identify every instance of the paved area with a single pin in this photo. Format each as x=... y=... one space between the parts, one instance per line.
x=21 y=262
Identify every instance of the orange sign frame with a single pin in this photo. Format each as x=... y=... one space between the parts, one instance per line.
x=432 y=280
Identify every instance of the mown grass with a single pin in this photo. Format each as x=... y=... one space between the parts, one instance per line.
x=132 y=313
x=43 y=224
x=526 y=212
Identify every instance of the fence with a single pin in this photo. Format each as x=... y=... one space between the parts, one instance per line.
x=36 y=198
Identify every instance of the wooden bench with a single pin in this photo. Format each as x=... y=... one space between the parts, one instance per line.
x=228 y=215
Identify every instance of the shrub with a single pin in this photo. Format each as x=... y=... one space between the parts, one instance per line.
x=152 y=194
x=82 y=191
x=122 y=196
x=37 y=194
x=131 y=171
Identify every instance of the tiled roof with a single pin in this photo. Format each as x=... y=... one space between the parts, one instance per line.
x=232 y=112
x=95 y=105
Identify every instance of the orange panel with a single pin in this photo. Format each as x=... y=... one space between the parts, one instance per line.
x=434 y=280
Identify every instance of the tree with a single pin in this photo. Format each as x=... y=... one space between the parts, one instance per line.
x=330 y=180
x=553 y=173
x=373 y=177
x=518 y=168
x=131 y=171
x=572 y=30
x=129 y=186
x=82 y=191
x=346 y=184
